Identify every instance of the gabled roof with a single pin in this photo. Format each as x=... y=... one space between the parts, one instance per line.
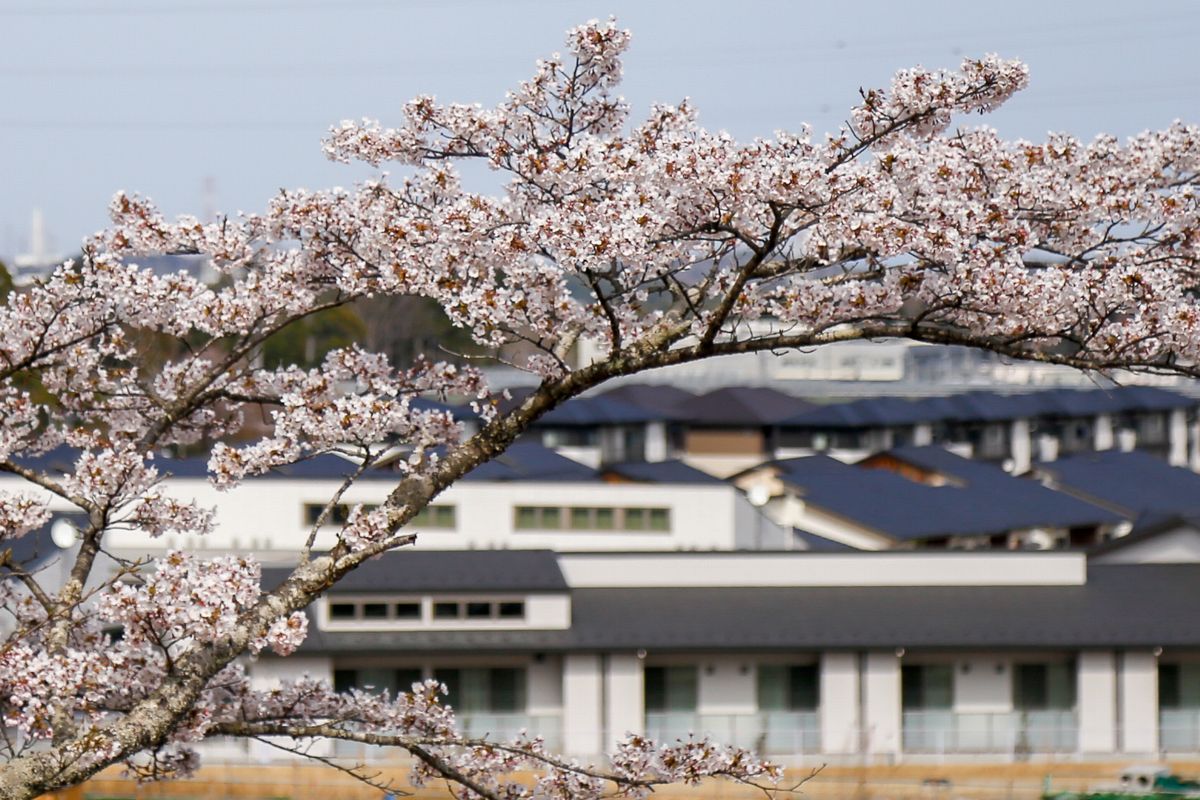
x=671 y=471
x=1135 y=482
x=659 y=397
x=598 y=410
x=415 y=570
x=526 y=461
x=989 y=407
x=986 y=500
x=741 y=406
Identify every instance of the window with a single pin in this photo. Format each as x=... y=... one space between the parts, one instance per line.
x=406 y=610
x=377 y=680
x=1044 y=687
x=592 y=518
x=435 y=516
x=498 y=690
x=409 y=611
x=671 y=689
x=926 y=686
x=788 y=687
x=338 y=514
x=478 y=609
x=539 y=518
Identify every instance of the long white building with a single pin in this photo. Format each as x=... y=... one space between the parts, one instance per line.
x=807 y=657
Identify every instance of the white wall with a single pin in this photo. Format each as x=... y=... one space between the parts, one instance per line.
x=1139 y=703
x=1097 y=701
x=983 y=684
x=727 y=685
x=583 y=711
x=881 y=702
x=624 y=698
x=544 y=685
x=598 y=570
x=839 y=703
x=267 y=515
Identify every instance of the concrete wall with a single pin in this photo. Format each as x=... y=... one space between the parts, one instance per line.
x=624 y=698
x=983 y=684
x=594 y=570
x=840 y=703
x=728 y=685
x=267 y=516
x=583 y=704
x=1097 y=701
x=881 y=703
x=1139 y=703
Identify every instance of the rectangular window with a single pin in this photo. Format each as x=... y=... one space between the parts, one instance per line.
x=436 y=516
x=541 y=518
x=343 y=610
x=788 y=687
x=1044 y=687
x=510 y=610
x=445 y=610
x=378 y=680
x=498 y=690
x=1179 y=686
x=671 y=689
x=592 y=518
x=407 y=610
x=374 y=610
x=926 y=686
x=338 y=515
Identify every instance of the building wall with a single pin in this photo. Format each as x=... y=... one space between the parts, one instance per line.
x=267 y=516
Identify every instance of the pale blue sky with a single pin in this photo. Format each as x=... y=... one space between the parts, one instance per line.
x=156 y=95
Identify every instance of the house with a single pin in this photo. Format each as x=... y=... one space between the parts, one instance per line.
x=1135 y=485
x=1009 y=429
x=806 y=657
x=917 y=496
x=530 y=497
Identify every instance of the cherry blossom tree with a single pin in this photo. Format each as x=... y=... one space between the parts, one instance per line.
x=660 y=241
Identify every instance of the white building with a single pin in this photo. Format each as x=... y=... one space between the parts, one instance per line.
x=806 y=657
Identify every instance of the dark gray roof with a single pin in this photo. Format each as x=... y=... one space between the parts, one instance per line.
x=741 y=406
x=598 y=410
x=663 y=398
x=986 y=501
x=1144 y=605
x=1135 y=482
x=988 y=407
x=670 y=471
x=414 y=570
x=527 y=461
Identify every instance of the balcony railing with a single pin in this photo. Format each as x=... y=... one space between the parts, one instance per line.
x=1179 y=730
x=1006 y=732
x=498 y=727
x=765 y=732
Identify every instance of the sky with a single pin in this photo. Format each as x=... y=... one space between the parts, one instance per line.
x=215 y=106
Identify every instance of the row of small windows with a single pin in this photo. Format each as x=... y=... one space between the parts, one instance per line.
x=428 y=609
x=556 y=518
x=591 y=518
x=435 y=516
